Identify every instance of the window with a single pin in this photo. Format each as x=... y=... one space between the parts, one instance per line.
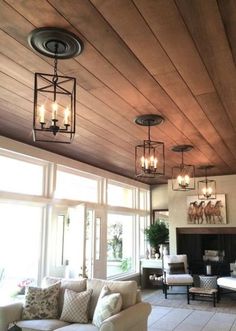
x=74 y=186
x=20 y=231
x=17 y=176
x=120 y=243
x=120 y=195
x=142 y=237
x=144 y=200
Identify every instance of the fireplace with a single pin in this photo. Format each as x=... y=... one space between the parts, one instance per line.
x=196 y=241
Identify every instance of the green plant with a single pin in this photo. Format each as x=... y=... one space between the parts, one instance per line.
x=126 y=264
x=157 y=234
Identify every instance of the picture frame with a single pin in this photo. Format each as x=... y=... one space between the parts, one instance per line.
x=206 y=211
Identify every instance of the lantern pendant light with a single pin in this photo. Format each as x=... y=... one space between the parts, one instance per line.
x=54 y=117
x=183 y=176
x=150 y=155
x=206 y=187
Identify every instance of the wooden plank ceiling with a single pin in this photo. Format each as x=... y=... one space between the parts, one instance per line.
x=174 y=58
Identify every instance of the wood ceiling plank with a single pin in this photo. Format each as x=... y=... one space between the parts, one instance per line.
x=205 y=121
x=228 y=14
x=204 y=22
x=168 y=48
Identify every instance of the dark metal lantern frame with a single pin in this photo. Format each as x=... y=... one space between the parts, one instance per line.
x=54 y=126
x=206 y=187
x=187 y=183
x=54 y=116
x=150 y=155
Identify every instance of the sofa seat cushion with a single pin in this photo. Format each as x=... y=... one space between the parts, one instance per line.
x=127 y=289
x=179 y=279
x=41 y=325
x=78 y=327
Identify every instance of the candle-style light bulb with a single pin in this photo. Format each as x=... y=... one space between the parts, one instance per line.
x=42 y=114
x=66 y=116
x=54 y=110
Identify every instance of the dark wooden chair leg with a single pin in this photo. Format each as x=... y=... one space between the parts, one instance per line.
x=188 y=294
x=165 y=290
x=214 y=299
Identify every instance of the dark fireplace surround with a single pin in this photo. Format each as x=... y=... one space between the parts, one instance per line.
x=193 y=241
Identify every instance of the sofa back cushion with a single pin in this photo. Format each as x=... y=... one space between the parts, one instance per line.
x=76 y=285
x=41 y=303
x=127 y=289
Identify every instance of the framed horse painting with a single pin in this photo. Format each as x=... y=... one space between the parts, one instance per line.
x=206 y=211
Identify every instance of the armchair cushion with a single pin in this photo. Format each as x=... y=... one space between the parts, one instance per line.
x=179 y=279
x=175 y=259
x=176 y=268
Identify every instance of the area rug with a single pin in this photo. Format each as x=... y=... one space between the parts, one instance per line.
x=227 y=303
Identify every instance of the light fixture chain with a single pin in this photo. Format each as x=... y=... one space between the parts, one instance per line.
x=55 y=77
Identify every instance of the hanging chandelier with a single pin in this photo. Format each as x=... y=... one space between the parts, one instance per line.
x=54 y=116
x=206 y=187
x=150 y=155
x=183 y=176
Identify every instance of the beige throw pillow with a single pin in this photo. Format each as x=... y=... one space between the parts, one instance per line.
x=41 y=303
x=75 y=306
x=108 y=304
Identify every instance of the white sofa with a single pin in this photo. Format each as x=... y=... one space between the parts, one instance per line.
x=132 y=317
x=228 y=283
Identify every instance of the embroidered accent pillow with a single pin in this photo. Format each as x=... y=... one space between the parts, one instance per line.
x=108 y=304
x=75 y=306
x=41 y=303
x=176 y=268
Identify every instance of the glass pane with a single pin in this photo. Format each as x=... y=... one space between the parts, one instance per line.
x=144 y=199
x=20 y=231
x=89 y=243
x=75 y=187
x=119 y=244
x=98 y=235
x=119 y=196
x=142 y=242
x=17 y=176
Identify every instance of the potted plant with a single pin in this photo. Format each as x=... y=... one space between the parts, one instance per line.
x=157 y=233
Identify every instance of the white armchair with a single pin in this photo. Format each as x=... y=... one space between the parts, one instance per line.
x=176 y=273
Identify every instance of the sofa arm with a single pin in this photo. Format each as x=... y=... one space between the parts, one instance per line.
x=133 y=318
x=10 y=313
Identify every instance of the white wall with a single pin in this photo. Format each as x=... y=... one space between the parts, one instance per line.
x=177 y=204
x=159 y=194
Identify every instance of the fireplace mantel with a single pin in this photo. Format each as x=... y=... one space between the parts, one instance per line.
x=206 y=230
